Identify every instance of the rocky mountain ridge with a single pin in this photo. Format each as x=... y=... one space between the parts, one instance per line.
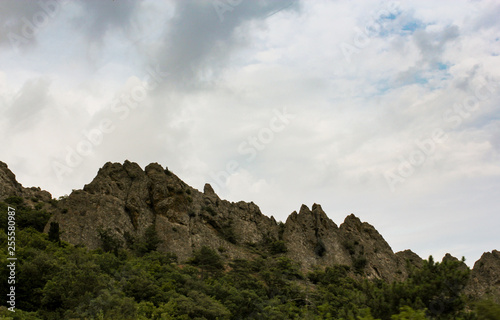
x=126 y=201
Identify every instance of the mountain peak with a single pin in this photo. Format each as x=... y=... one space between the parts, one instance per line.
x=208 y=190
x=8 y=183
x=352 y=220
x=127 y=200
x=485 y=276
x=317 y=207
x=304 y=209
x=9 y=187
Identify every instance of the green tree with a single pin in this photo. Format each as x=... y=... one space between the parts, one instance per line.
x=439 y=286
x=109 y=241
x=54 y=235
x=109 y=304
x=198 y=305
x=78 y=280
x=407 y=313
x=487 y=310
x=151 y=239
x=366 y=315
x=208 y=260
x=278 y=246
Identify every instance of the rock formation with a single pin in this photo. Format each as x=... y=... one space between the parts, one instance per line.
x=125 y=201
x=9 y=187
x=485 y=277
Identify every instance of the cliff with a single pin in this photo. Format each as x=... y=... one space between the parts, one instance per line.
x=485 y=277
x=125 y=201
x=9 y=187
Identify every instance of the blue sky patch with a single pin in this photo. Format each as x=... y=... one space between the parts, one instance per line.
x=412 y=26
x=442 y=66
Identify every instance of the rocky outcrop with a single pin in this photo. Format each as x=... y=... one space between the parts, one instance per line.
x=485 y=277
x=408 y=257
x=370 y=252
x=312 y=238
x=125 y=201
x=8 y=183
x=315 y=240
x=9 y=187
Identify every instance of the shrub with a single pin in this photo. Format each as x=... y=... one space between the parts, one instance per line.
x=207 y=259
x=25 y=217
x=109 y=241
x=151 y=239
x=54 y=232
x=407 y=313
x=228 y=233
x=349 y=246
x=278 y=247
x=32 y=218
x=487 y=309
x=320 y=248
x=359 y=263
x=14 y=200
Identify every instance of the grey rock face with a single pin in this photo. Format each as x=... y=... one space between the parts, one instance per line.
x=485 y=276
x=126 y=200
x=9 y=187
x=312 y=238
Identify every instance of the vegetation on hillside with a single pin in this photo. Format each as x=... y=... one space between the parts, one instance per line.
x=56 y=280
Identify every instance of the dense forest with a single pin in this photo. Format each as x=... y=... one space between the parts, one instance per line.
x=132 y=280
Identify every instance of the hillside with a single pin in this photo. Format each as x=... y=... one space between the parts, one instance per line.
x=129 y=211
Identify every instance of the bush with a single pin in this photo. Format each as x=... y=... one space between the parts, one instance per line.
x=407 y=313
x=487 y=310
x=207 y=259
x=151 y=239
x=359 y=264
x=109 y=241
x=54 y=232
x=14 y=200
x=25 y=217
x=278 y=247
x=349 y=246
x=320 y=248
x=227 y=232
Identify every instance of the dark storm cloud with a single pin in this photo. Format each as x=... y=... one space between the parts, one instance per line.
x=202 y=33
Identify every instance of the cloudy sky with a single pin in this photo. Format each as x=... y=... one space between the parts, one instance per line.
x=383 y=109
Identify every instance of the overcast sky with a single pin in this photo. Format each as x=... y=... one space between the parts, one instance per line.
x=383 y=109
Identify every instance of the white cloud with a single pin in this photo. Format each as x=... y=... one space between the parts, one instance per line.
x=356 y=116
